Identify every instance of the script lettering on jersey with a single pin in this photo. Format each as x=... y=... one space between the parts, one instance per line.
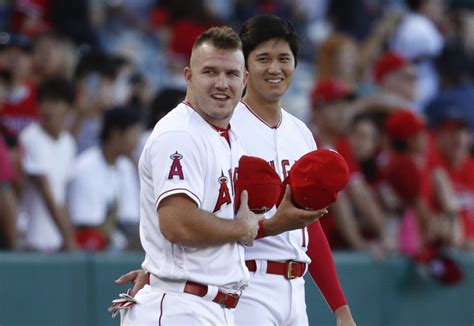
x=176 y=168
x=285 y=167
x=224 y=197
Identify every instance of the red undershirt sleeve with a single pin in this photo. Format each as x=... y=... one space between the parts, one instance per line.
x=322 y=268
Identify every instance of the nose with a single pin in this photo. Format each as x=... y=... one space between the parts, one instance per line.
x=274 y=67
x=222 y=82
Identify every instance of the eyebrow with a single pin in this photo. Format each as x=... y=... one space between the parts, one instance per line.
x=215 y=68
x=263 y=54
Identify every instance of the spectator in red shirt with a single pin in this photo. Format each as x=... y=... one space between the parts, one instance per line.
x=332 y=107
x=20 y=105
x=453 y=143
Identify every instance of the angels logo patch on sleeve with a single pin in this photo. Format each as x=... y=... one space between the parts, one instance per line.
x=176 y=169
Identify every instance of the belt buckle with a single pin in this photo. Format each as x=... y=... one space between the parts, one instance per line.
x=230 y=300
x=289 y=269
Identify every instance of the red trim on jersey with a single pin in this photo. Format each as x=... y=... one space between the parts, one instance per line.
x=322 y=268
x=261 y=233
x=161 y=195
x=263 y=121
x=161 y=308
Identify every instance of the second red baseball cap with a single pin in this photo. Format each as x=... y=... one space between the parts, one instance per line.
x=330 y=90
x=388 y=63
x=403 y=124
x=316 y=179
x=261 y=182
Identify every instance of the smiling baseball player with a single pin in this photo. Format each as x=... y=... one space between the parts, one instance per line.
x=196 y=264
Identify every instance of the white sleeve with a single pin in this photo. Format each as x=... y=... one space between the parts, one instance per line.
x=178 y=166
x=33 y=162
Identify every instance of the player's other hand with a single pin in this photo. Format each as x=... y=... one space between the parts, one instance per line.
x=138 y=278
x=289 y=217
x=247 y=220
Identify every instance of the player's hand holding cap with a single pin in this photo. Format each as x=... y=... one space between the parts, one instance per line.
x=316 y=179
x=261 y=182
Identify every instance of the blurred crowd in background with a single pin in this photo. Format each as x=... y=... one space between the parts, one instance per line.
x=387 y=83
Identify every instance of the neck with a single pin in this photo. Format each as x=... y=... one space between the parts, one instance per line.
x=215 y=122
x=110 y=155
x=270 y=112
x=51 y=131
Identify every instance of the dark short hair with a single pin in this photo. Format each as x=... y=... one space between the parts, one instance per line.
x=120 y=118
x=56 y=89
x=222 y=37
x=259 y=29
x=414 y=5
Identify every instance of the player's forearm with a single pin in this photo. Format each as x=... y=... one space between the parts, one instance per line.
x=198 y=228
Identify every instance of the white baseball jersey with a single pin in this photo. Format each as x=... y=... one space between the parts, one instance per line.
x=53 y=158
x=281 y=146
x=186 y=155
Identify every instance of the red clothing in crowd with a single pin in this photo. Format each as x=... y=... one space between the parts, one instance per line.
x=462 y=179
x=16 y=114
x=7 y=173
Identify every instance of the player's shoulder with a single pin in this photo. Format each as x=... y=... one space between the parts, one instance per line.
x=241 y=112
x=180 y=120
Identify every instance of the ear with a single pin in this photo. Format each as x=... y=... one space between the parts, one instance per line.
x=188 y=74
x=246 y=77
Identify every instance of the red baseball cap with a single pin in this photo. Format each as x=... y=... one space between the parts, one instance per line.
x=261 y=182
x=403 y=124
x=388 y=63
x=330 y=90
x=316 y=179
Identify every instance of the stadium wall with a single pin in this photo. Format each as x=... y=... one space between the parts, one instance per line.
x=76 y=289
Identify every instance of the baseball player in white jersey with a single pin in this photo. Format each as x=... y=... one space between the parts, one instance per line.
x=277 y=260
x=196 y=263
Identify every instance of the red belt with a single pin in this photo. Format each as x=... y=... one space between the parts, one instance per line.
x=227 y=300
x=290 y=269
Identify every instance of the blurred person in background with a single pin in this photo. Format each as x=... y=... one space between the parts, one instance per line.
x=331 y=106
x=457 y=87
x=179 y=23
x=419 y=40
x=419 y=189
x=8 y=201
x=453 y=143
x=338 y=58
x=30 y=17
x=95 y=78
x=52 y=56
x=19 y=107
x=8 y=197
x=49 y=153
x=107 y=217
x=395 y=78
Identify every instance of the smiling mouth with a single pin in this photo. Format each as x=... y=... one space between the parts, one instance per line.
x=274 y=81
x=220 y=97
